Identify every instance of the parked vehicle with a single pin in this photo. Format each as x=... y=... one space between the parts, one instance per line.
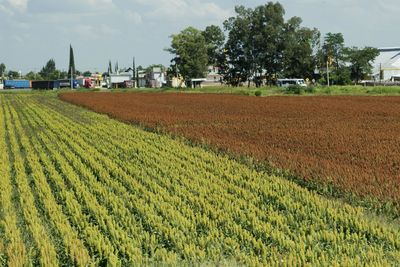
x=289 y=82
x=45 y=85
x=88 y=83
x=67 y=83
x=17 y=84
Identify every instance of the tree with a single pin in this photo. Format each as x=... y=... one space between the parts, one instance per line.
x=332 y=54
x=13 y=74
x=236 y=61
x=33 y=76
x=333 y=48
x=71 y=66
x=116 y=68
x=64 y=75
x=2 y=69
x=109 y=67
x=87 y=74
x=149 y=69
x=49 y=71
x=360 y=61
x=190 y=54
x=267 y=37
x=262 y=46
x=300 y=45
x=215 y=39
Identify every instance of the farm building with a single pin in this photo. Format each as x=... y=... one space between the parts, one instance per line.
x=214 y=77
x=387 y=64
x=119 y=80
x=141 y=77
x=156 y=78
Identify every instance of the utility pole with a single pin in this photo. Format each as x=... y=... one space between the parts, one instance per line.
x=327 y=71
x=134 y=73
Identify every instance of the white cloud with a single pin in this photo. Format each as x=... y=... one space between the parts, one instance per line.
x=94 y=32
x=10 y=7
x=69 y=6
x=5 y=10
x=18 y=4
x=183 y=9
x=132 y=16
x=98 y=2
x=143 y=26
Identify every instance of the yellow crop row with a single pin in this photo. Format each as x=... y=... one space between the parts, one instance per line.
x=45 y=251
x=116 y=194
x=13 y=245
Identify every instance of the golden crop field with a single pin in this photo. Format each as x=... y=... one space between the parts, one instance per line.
x=78 y=188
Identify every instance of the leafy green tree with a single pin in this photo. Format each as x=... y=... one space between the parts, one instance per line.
x=236 y=60
x=360 y=61
x=333 y=49
x=262 y=46
x=71 y=66
x=149 y=69
x=215 y=40
x=33 y=76
x=13 y=74
x=65 y=75
x=332 y=54
x=49 y=70
x=87 y=74
x=267 y=37
x=2 y=69
x=190 y=54
x=301 y=43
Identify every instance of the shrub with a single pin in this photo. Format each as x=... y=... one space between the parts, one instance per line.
x=309 y=89
x=294 y=89
x=258 y=93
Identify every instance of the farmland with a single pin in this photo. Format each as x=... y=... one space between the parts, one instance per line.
x=351 y=143
x=78 y=188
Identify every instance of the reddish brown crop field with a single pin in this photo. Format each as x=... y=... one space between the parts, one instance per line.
x=351 y=142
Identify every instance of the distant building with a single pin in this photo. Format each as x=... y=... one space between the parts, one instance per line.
x=142 y=80
x=119 y=80
x=198 y=82
x=387 y=64
x=94 y=81
x=156 y=78
x=214 y=78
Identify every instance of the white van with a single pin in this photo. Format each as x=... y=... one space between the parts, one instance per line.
x=289 y=82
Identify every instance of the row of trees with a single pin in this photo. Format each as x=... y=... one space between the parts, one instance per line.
x=48 y=71
x=259 y=45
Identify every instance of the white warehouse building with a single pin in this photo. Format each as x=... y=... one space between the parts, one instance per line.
x=387 y=64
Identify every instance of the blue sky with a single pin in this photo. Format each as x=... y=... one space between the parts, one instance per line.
x=33 y=31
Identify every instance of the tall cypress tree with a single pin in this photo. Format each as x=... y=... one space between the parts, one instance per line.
x=109 y=68
x=71 y=67
x=116 y=68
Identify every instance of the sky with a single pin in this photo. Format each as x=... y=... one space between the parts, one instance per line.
x=34 y=31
